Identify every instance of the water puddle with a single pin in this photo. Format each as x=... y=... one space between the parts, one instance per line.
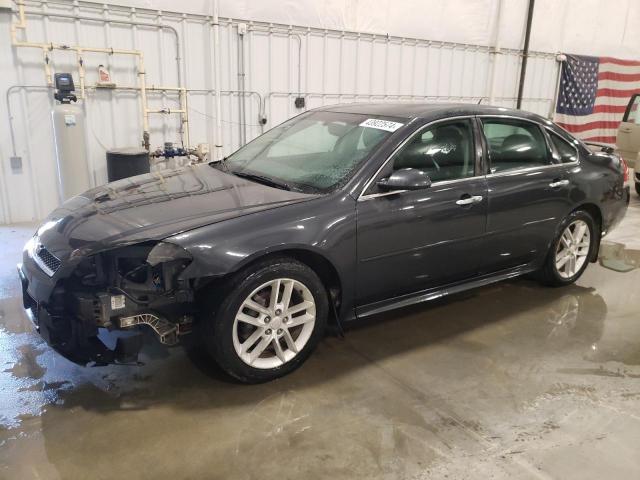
x=618 y=257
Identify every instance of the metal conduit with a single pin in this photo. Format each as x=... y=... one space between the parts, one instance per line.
x=303 y=30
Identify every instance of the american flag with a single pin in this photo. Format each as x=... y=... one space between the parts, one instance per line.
x=594 y=92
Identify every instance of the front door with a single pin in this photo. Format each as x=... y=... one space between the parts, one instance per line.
x=418 y=239
x=628 y=140
x=529 y=185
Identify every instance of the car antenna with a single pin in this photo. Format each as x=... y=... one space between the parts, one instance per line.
x=480 y=101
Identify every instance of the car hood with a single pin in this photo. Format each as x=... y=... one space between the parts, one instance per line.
x=155 y=206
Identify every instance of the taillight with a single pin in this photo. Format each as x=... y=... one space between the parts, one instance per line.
x=625 y=169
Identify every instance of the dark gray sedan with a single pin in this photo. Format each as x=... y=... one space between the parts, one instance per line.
x=339 y=213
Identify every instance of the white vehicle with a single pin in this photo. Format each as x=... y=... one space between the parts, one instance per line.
x=628 y=139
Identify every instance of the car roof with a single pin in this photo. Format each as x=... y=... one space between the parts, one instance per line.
x=426 y=110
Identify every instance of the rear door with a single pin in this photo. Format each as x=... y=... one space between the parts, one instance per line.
x=529 y=183
x=628 y=140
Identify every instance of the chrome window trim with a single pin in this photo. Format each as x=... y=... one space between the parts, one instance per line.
x=544 y=126
x=362 y=196
x=527 y=169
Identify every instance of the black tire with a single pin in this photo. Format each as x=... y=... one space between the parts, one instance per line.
x=218 y=315
x=549 y=273
x=637 y=187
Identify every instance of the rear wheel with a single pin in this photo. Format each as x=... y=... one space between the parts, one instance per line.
x=269 y=320
x=637 y=188
x=571 y=250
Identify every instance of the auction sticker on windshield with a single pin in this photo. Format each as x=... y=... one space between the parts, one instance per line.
x=381 y=124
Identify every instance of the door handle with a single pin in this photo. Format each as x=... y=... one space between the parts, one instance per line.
x=559 y=183
x=469 y=200
x=625 y=130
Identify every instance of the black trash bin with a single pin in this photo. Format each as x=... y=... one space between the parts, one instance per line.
x=127 y=162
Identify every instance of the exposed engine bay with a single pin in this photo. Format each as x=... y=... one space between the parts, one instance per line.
x=120 y=289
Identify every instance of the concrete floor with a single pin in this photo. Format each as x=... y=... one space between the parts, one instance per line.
x=509 y=381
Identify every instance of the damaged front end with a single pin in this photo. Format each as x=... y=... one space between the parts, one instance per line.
x=116 y=290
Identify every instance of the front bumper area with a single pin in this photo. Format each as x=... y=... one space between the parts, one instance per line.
x=76 y=337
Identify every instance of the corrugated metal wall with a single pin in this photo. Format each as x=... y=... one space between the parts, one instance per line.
x=281 y=62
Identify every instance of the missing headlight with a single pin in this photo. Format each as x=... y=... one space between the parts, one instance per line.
x=167 y=252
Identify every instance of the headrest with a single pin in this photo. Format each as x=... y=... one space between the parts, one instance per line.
x=518 y=142
x=449 y=133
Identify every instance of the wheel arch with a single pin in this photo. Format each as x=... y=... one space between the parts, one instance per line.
x=595 y=212
x=316 y=261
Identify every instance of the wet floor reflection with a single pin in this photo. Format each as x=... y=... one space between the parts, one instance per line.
x=537 y=320
x=462 y=374
x=618 y=257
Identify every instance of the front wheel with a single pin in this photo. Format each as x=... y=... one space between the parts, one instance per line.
x=571 y=250
x=270 y=319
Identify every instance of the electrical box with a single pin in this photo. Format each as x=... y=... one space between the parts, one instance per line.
x=65 y=90
x=16 y=164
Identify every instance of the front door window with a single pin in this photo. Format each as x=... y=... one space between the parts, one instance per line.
x=444 y=152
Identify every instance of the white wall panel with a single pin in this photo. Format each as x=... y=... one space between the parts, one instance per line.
x=280 y=62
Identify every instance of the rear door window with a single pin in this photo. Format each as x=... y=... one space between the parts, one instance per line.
x=515 y=144
x=564 y=151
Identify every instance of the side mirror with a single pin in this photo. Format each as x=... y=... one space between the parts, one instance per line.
x=405 y=179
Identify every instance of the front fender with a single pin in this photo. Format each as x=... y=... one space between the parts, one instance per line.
x=325 y=226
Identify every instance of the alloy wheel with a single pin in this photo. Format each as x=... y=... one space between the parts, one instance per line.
x=572 y=249
x=274 y=323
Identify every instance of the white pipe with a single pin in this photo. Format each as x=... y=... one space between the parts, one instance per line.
x=218 y=153
x=493 y=55
x=6 y=208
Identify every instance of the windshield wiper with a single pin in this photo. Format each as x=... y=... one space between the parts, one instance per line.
x=261 y=179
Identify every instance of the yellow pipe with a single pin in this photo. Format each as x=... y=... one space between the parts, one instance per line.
x=168 y=111
x=21 y=15
x=185 y=118
x=22 y=24
x=47 y=67
x=143 y=98
x=47 y=47
x=81 y=73
x=163 y=87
